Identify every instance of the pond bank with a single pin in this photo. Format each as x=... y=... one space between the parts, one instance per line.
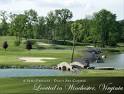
x=7 y=73
x=116 y=61
x=34 y=72
x=114 y=58
x=24 y=67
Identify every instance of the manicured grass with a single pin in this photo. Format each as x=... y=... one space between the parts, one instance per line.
x=10 y=57
x=18 y=86
x=25 y=85
x=102 y=73
x=61 y=52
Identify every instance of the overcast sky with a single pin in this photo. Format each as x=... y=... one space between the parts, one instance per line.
x=80 y=8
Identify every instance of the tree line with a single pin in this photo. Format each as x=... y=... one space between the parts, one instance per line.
x=101 y=28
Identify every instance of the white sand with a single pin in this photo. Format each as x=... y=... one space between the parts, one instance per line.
x=36 y=59
x=43 y=44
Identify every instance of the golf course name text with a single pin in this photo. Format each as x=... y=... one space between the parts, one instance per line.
x=109 y=87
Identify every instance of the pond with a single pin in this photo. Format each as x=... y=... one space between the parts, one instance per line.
x=32 y=72
x=116 y=61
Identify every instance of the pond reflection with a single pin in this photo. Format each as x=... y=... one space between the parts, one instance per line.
x=116 y=61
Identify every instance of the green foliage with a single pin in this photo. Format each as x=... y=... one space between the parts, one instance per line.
x=112 y=40
x=4 y=25
x=14 y=52
x=5 y=45
x=32 y=41
x=28 y=45
x=39 y=28
x=51 y=20
x=76 y=29
x=85 y=32
x=18 y=26
x=121 y=30
x=101 y=28
x=68 y=43
x=88 y=39
x=57 y=24
x=110 y=50
x=105 y=25
x=32 y=19
x=17 y=43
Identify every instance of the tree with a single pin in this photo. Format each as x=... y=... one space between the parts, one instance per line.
x=18 y=26
x=93 y=33
x=121 y=30
x=51 y=20
x=32 y=17
x=11 y=30
x=76 y=29
x=63 y=16
x=105 y=25
x=5 y=45
x=85 y=34
x=39 y=28
x=4 y=24
x=28 y=45
x=101 y=28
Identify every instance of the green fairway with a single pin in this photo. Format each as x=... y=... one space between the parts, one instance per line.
x=61 y=47
x=19 y=86
x=10 y=57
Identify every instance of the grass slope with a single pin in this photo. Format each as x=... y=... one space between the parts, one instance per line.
x=102 y=73
x=10 y=57
x=26 y=85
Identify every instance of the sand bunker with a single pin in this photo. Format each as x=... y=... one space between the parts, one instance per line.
x=43 y=44
x=36 y=59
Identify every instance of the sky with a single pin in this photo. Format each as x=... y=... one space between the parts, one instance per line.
x=80 y=8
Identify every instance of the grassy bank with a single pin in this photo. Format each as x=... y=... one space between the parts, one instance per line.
x=102 y=73
x=34 y=85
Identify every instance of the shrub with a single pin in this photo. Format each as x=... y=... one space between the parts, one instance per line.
x=28 y=45
x=5 y=45
x=33 y=41
x=69 y=43
x=111 y=50
x=112 y=43
x=17 y=43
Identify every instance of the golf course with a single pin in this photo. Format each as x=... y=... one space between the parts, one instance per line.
x=16 y=85
x=48 y=56
x=13 y=53
x=61 y=49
